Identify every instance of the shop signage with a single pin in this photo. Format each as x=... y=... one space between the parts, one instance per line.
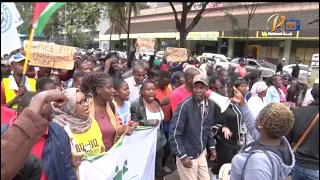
x=201 y=36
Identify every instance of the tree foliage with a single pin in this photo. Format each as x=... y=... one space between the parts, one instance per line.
x=239 y=30
x=181 y=24
x=71 y=19
x=119 y=15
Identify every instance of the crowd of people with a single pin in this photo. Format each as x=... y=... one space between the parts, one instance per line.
x=105 y=97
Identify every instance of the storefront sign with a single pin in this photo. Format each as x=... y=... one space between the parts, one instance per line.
x=276 y=34
x=201 y=36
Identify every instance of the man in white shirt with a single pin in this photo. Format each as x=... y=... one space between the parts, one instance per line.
x=134 y=82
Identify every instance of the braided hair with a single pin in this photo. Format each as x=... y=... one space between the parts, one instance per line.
x=92 y=80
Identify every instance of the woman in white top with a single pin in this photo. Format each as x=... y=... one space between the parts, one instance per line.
x=147 y=112
x=257 y=100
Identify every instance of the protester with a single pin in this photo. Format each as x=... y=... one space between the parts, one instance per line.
x=286 y=79
x=241 y=68
x=134 y=82
x=56 y=81
x=223 y=76
x=307 y=154
x=20 y=138
x=163 y=94
x=6 y=115
x=121 y=97
x=274 y=92
x=302 y=87
x=308 y=99
x=85 y=130
x=100 y=86
x=11 y=89
x=228 y=134
x=279 y=70
x=177 y=79
x=295 y=71
x=44 y=84
x=80 y=66
x=190 y=132
x=147 y=112
x=111 y=65
x=270 y=156
x=215 y=83
x=5 y=68
x=77 y=79
x=184 y=91
x=257 y=100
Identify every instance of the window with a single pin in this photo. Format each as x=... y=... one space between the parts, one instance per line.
x=235 y=61
x=273 y=52
x=252 y=63
x=304 y=55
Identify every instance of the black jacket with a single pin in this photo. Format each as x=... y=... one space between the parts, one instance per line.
x=295 y=72
x=138 y=113
x=189 y=134
x=31 y=170
x=307 y=155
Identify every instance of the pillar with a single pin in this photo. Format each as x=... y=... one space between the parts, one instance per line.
x=230 y=48
x=287 y=51
x=219 y=46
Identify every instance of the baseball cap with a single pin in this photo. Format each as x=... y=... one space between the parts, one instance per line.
x=201 y=78
x=302 y=80
x=5 y=62
x=16 y=58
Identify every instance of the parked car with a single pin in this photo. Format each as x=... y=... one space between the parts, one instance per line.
x=219 y=60
x=315 y=60
x=305 y=70
x=253 y=65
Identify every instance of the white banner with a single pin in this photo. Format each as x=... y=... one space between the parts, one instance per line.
x=10 y=20
x=131 y=158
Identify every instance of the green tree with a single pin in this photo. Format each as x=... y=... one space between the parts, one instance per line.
x=120 y=15
x=75 y=20
x=240 y=31
x=181 y=24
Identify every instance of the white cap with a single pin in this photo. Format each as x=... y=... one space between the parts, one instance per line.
x=16 y=58
x=283 y=59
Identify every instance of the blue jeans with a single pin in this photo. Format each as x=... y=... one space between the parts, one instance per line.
x=300 y=173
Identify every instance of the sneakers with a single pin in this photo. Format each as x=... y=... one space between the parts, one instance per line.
x=166 y=169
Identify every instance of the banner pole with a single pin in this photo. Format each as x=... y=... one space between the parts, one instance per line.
x=25 y=66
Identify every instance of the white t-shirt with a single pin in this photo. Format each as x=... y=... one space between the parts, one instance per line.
x=158 y=115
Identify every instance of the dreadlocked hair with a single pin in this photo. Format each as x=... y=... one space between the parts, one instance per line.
x=277 y=120
x=92 y=80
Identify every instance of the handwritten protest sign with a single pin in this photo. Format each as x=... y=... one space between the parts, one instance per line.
x=146 y=45
x=51 y=55
x=177 y=54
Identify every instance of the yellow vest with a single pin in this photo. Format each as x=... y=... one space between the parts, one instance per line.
x=89 y=141
x=10 y=94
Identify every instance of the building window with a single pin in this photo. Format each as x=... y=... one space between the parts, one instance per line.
x=304 y=55
x=273 y=52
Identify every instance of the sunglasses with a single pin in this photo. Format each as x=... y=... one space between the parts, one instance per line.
x=286 y=79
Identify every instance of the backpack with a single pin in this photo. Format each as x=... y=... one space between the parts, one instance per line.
x=224 y=172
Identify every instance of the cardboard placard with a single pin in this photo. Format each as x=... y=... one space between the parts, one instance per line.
x=51 y=55
x=146 y=45
x=177 y=54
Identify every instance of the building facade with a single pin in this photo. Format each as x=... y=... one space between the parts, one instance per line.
x=214 y=32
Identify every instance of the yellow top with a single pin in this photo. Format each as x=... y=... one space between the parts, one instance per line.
x=89 y=141
x=10 y=94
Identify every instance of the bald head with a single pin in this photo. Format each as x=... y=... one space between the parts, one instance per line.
x=189 y=75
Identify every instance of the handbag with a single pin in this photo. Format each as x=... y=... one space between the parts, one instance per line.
x=306 y=132
x=161 y=138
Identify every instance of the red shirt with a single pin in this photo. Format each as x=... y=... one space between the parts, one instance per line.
x=285 y=91
x=160 y=95
x=177 y=96
x=37 y=149
x=6 y=115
